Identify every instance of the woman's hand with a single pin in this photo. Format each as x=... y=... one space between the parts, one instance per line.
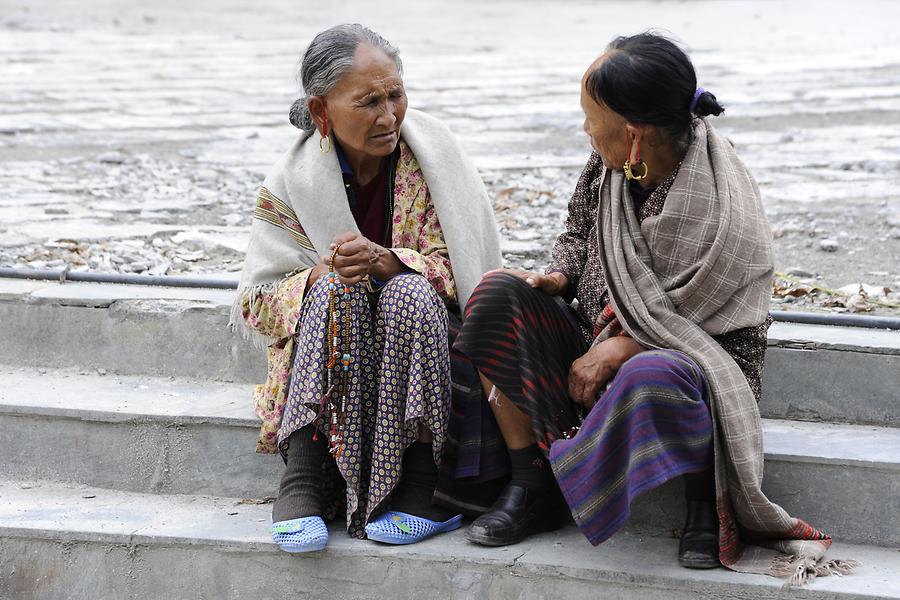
x=554 y=284
x=353 y=259
x=597 y=366
x=359 y=257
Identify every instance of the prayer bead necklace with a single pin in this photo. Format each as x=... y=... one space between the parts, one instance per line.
x=338 y=365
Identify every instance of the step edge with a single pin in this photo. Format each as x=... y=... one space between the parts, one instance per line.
x=116 y=418
x=782 y=334
x=520 y=565
x=837 y=462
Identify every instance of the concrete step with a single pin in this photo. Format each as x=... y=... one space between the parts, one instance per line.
x=147 y=434
x=133 y=433
x=78 y=542
x=126 y=329
x=838 y=374
x=813 y=373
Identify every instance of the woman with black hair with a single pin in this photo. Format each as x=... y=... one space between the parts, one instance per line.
x=656 y=373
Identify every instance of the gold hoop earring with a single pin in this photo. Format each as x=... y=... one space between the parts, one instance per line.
x=630 y=175
x=325 y=144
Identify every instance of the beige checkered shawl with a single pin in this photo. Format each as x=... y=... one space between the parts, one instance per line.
x=703 y=267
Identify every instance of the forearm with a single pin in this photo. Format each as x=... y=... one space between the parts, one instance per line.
x=315 y=274
x=598 y=366
x=560 y=283
x=627 y=347
x=567 y=292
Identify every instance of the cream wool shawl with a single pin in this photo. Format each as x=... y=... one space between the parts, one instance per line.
x=703 y=267
x=311 y=184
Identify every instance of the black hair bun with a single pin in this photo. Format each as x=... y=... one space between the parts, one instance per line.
x=708 y=105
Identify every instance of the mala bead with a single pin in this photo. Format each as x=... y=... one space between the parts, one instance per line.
x=338 y=360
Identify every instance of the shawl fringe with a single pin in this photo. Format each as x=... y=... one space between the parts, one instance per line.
x=799 y=571
x=236 y=318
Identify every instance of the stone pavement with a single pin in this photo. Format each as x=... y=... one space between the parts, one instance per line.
x=132 y=137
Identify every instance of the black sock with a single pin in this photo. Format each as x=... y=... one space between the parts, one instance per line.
x=298 y=494
x=416 y=488
x=530 y=469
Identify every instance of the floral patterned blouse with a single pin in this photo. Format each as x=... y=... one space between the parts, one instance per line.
x=416 y=239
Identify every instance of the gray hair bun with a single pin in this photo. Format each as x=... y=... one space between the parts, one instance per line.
x=328 y=57
x=299 y=115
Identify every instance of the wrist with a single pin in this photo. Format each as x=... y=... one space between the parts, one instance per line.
x=561 y=282
x=385 y=266
x=315 y=274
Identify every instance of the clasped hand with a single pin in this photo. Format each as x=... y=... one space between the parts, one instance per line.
x=593 y=370
x=356 y=258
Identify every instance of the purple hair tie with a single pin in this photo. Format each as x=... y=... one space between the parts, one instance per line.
x=696 y=99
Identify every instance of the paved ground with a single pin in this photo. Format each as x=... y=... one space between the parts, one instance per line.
x=132 y=137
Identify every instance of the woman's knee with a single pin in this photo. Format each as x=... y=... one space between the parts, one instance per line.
x=319 y=293
x=663 y=367
x=408 y=285
x=496 y=288
x=411 y=294
x=499 y=283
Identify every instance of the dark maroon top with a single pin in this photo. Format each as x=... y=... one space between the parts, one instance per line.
x=368 y=203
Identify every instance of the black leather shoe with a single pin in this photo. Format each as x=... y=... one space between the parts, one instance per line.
x=699 y=546
x=516 y=514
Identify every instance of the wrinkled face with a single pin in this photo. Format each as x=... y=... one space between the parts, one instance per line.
x=606 y=128
x=366 y=107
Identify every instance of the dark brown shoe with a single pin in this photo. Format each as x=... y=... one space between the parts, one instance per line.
x=517 y=513
x=699 y=546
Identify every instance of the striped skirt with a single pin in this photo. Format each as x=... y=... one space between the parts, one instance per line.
x=475 y=466
x=650 y=425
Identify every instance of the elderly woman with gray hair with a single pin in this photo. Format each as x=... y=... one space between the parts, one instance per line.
x=368 y=237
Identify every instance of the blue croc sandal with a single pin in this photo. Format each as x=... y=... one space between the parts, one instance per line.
x=306 y=534
x=401 y=528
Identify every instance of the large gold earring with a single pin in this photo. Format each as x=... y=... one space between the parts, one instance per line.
x=629 y=174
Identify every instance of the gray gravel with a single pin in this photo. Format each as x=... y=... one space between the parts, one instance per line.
x=132 y=139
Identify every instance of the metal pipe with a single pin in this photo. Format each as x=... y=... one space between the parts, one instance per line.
x=89 y=276
x=841 y=320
